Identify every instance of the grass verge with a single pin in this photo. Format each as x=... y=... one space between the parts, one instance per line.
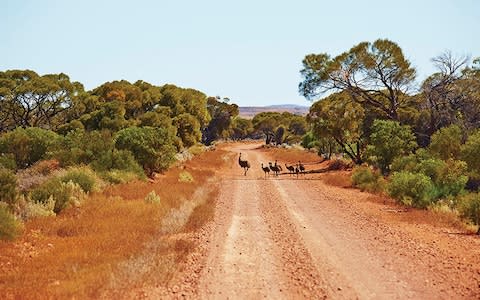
x=85 y=249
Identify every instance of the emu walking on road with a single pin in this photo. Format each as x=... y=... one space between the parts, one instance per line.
x=244 y=164
x=278 y=166
x=266 y=170
x=274 y=169
x=301 y=167
x=291 y=169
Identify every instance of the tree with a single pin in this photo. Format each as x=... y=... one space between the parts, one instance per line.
x=28 y=145
x=241 y=128
x=376 y=75
x=388 y=141
x=339 y=118
x=182 y=100
x=446 y=143
x=188 y=129
x=125 y=94
x=221 y=114
x=27 y=99
x=442 y=98
x=267 y=123
x=153 y=148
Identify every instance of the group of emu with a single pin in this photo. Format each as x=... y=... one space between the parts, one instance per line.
x=275 y=168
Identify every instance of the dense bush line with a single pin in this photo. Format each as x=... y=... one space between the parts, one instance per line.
x=424 y=141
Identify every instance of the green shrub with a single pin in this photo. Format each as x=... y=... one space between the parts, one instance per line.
x=122 y=160
x=412 y=189
x=449 y=177
x=82 y=176
x=197 y=149
x=153 y=148
x=63 y=194
x=309 y=141
x=29 y=145
x=469 y=207
x=446 y=142
x=38 y=209
x=388 y=141
x=405 y=163
x=431 y=167
x=7 y=161
x=368 y=180
x=152 y=197
x=8 y=186
x=452 y=178
x=9 y=226
x=184 y=176
x=119 y=176
x=471 y=155
x=82 y=147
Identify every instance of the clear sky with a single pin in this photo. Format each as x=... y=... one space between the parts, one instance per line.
x=248 y=50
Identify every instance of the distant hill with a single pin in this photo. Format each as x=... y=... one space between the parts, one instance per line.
x=249 y=112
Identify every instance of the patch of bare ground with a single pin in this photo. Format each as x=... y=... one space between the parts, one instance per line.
x=255 y=253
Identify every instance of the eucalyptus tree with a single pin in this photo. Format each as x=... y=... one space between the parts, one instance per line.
x=451 y=95
x=376 y=75
x=341 y=119
x=28 y=99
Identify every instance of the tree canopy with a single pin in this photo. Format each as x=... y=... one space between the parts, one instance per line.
x=374 y=74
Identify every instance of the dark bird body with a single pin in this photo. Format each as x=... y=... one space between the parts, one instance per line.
x=266 y=170
x=244 y=164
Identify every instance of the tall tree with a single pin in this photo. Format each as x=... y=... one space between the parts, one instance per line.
x=341 y=119
x=27 y=99
x=375 y=74
x=450 y=95
x=221 y=114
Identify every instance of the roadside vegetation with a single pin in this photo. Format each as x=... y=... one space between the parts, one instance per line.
x=417 y=145
x=91 y=250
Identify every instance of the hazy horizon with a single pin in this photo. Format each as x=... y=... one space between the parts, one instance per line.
x=250 y=52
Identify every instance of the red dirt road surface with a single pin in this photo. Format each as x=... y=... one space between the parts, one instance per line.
x=297 y=238
x=290 y=238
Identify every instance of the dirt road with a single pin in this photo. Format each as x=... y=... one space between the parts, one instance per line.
x=290 y=238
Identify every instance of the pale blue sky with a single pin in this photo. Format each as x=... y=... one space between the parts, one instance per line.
x=250 y=51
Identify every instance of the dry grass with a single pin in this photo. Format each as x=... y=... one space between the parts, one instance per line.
x=338 y=178
x=85 y=250
x=291 y=156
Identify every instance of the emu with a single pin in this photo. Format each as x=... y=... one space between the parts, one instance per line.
x=266 y=170
x=301 y=167
x=274 y=168
x=243 y=164
x=291 y=169
x=278 y=166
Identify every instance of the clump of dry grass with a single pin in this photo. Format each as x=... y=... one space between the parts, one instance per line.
x=36 y=174
x=338 y=178
x=185 y=176
x=152 y=197
x=77 y=253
